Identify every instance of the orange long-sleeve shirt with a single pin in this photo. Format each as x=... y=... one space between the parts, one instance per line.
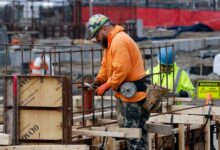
x=121 y=62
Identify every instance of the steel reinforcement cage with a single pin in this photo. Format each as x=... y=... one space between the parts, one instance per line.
x=79 y=63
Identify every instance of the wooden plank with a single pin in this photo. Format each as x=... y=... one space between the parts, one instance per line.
x=97 y=133
x=107 y=121
x=170 y=101
x=159 y=128
x=181 y=136
x=110 y=132
x=196 y=111
x=40 y=124
x=90 y=116
x=151 y=127
x=180 y=99
x=79 y=97
x=177 y=118
x=5 y=139
x=128 y=132
x=46 y=147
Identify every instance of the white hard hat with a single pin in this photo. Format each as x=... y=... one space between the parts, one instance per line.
x=40 y=68
x=216 y=64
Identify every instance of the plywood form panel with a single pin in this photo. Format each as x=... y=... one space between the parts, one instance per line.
x=38 y=108
x=38 y=91
x=40 y=124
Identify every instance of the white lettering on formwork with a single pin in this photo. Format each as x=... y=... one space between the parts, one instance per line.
x=30 y=132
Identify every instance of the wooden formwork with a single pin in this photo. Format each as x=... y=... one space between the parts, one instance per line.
x=38 y=109
x=175 y=124
x=180 y=125
x=191 y=126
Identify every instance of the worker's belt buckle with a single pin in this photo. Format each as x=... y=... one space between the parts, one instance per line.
x=128 y=89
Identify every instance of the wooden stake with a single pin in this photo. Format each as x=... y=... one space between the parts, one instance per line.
x=150 y=139
x=207 y=136
x=181 y=137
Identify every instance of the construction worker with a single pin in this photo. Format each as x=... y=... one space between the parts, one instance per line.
x=121 y=64
x=40 y=66
x=167 y=72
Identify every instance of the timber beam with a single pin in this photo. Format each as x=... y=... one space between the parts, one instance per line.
x=196 y=111
x=46 y=147
x=109 y=132
x=177 y=118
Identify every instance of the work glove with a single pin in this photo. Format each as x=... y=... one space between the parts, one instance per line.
x=182 y=94
x=101 y=90
x=95 y=84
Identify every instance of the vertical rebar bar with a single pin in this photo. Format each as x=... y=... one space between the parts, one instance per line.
x=82 y=74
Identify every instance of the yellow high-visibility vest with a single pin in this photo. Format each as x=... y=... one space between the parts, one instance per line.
x=176 y=80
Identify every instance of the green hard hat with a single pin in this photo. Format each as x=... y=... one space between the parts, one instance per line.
x=95 y=23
